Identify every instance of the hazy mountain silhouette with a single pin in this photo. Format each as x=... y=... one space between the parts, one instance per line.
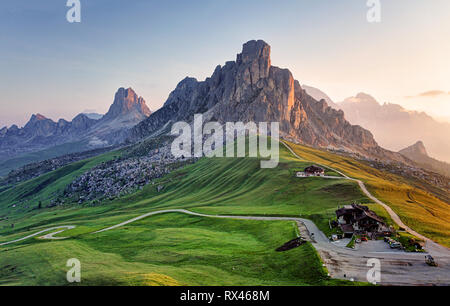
x=418 y=153
x=85 y=131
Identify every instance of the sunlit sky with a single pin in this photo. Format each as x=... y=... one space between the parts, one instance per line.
x=58 y=69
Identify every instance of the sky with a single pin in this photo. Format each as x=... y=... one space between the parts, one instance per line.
x=59 y=69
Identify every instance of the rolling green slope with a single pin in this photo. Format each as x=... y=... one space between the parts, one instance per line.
x=175 y=249
x=26 y=196
x=217 y=185
x=171 y=249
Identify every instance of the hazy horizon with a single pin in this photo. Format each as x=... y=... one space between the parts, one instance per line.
x=60 y=69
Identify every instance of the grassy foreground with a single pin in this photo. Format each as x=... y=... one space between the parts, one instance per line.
x=175 y=249
x=171 y=249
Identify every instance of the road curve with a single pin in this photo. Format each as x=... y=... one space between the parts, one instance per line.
x=312 y=228
x=48 y=236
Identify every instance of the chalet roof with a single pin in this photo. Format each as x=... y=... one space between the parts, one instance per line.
x=364 y=212
x=343 y=211
x=360 y=207
x=371 y=215
x=314 y=169
x=347 y=209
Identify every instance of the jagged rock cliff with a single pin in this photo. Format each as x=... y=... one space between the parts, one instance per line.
x=251 y=89
x=40 y=132
x=127 y=104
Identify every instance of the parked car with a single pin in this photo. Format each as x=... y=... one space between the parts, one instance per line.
x=395 y=245
x=430 y=261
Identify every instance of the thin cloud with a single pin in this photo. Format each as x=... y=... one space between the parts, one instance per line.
x=431 y=94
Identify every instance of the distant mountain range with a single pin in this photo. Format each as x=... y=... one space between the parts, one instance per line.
x=252 y=89
x=87 y=131
x=393 y=126
x=418 y=153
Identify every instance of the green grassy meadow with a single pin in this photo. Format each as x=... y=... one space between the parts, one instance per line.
x=175 y=249
x=27 y=195
x=170 y=249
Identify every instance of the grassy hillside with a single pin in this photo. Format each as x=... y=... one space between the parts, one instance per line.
x=218 y=185
x=26 y=196
x=417 y=208
x=182 y=249
x=174 y=249
x=171 y=249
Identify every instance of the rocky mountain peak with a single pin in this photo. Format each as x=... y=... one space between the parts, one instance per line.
x=255 y=58
x=254 y=50
x=3 y=131
x=37 y=117
x=319 y=95
x=38 y=120
x=419 y=154
x=90 y=130
x=14 y=127
x=127 y=101
x=362 y=95
x=251 y=89
x=417 y=149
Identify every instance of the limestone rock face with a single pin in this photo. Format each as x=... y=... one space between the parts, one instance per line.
x=255 y=60
x=126 y=101
x=82 y=122
x=251 y=89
